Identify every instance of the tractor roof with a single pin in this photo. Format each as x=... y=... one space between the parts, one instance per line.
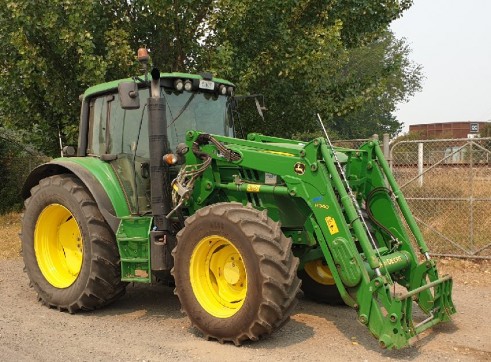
x=113 y=85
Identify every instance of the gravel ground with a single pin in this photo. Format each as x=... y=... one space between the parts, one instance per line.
x=146 y=325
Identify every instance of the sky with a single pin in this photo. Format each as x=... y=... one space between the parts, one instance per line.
x=451 y=39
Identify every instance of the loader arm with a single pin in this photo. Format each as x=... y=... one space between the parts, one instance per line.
x=352 y=221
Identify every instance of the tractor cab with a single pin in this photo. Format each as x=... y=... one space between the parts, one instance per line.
x=114 y=124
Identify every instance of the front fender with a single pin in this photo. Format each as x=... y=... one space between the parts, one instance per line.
x=97 y=176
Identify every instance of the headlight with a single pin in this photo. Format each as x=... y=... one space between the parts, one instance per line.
x=222 y=89
x=188 y=85
x=178 y=85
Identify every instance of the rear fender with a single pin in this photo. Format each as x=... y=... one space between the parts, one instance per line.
x=96 y=175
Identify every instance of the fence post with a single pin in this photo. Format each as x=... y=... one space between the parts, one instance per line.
x=471 y=204
x=386 y=148
x=386 y=141
x=420 y=163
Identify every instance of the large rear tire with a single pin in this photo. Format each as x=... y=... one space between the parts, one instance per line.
x=70 y=253
x=235 y=274
x=318 y=283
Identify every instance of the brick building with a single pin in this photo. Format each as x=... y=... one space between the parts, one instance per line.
x=449 y=129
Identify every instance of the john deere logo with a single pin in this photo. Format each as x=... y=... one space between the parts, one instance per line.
x=299 y=168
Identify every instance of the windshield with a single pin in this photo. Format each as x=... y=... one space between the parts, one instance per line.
x=195 y=111
x=115 y=130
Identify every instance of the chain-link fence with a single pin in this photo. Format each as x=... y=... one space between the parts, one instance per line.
x=447 y=184
x=13 y=173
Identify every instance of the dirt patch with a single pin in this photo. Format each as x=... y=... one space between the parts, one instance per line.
x=467 y=272
x=9 y=235
x=146 y=324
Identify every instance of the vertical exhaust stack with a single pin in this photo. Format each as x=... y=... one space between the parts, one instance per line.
x=159 y=146
x=162 y=240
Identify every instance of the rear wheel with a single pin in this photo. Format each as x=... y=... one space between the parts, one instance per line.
x=69 y=251
x=235 y=273
x=318 y=283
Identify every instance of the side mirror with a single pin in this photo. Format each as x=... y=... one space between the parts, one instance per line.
x=128 y=95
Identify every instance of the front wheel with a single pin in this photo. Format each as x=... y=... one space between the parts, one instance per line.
x=70 y=253
x=235 y=273
x=318 y=283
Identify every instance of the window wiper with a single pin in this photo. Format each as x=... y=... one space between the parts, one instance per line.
x=182 y=109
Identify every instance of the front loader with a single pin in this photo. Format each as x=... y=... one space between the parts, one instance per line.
x=160 y=190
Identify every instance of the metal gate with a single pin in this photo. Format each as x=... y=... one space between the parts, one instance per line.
x=447 y=183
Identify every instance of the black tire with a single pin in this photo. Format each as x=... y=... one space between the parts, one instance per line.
x=321 y=291
x=95 y=280
x=266 y=271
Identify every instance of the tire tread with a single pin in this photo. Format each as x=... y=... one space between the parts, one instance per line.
x=273 y=249
x=104 y=283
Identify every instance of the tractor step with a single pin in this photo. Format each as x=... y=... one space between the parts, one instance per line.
x=134 y=249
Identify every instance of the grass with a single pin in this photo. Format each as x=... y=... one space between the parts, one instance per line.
x=9 y=236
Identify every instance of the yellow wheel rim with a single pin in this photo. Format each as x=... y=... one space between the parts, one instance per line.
x=320 y=272
x=58 y=246
x=218 y=276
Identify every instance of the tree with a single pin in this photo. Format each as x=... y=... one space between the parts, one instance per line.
x=52 y=50
x=16 y=161
x=383 y=73
x=305 y=55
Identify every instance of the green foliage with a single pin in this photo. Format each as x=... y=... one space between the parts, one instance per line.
x=308 y=57
x=16 y=160
x=331 y=57
x=52 y=51
x=410 y=136
x=363 y=21
x=382 y=73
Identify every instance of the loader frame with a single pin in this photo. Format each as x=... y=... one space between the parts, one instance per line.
x=366 y=265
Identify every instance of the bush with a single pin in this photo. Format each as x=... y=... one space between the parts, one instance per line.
x=16 y=161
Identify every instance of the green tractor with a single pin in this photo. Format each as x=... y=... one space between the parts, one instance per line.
x=161 y=190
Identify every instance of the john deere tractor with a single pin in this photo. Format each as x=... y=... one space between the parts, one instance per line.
x=160 y=189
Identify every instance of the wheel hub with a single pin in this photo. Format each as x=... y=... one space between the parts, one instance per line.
x=58 y=245
x=218 y=276
x=232 y=272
